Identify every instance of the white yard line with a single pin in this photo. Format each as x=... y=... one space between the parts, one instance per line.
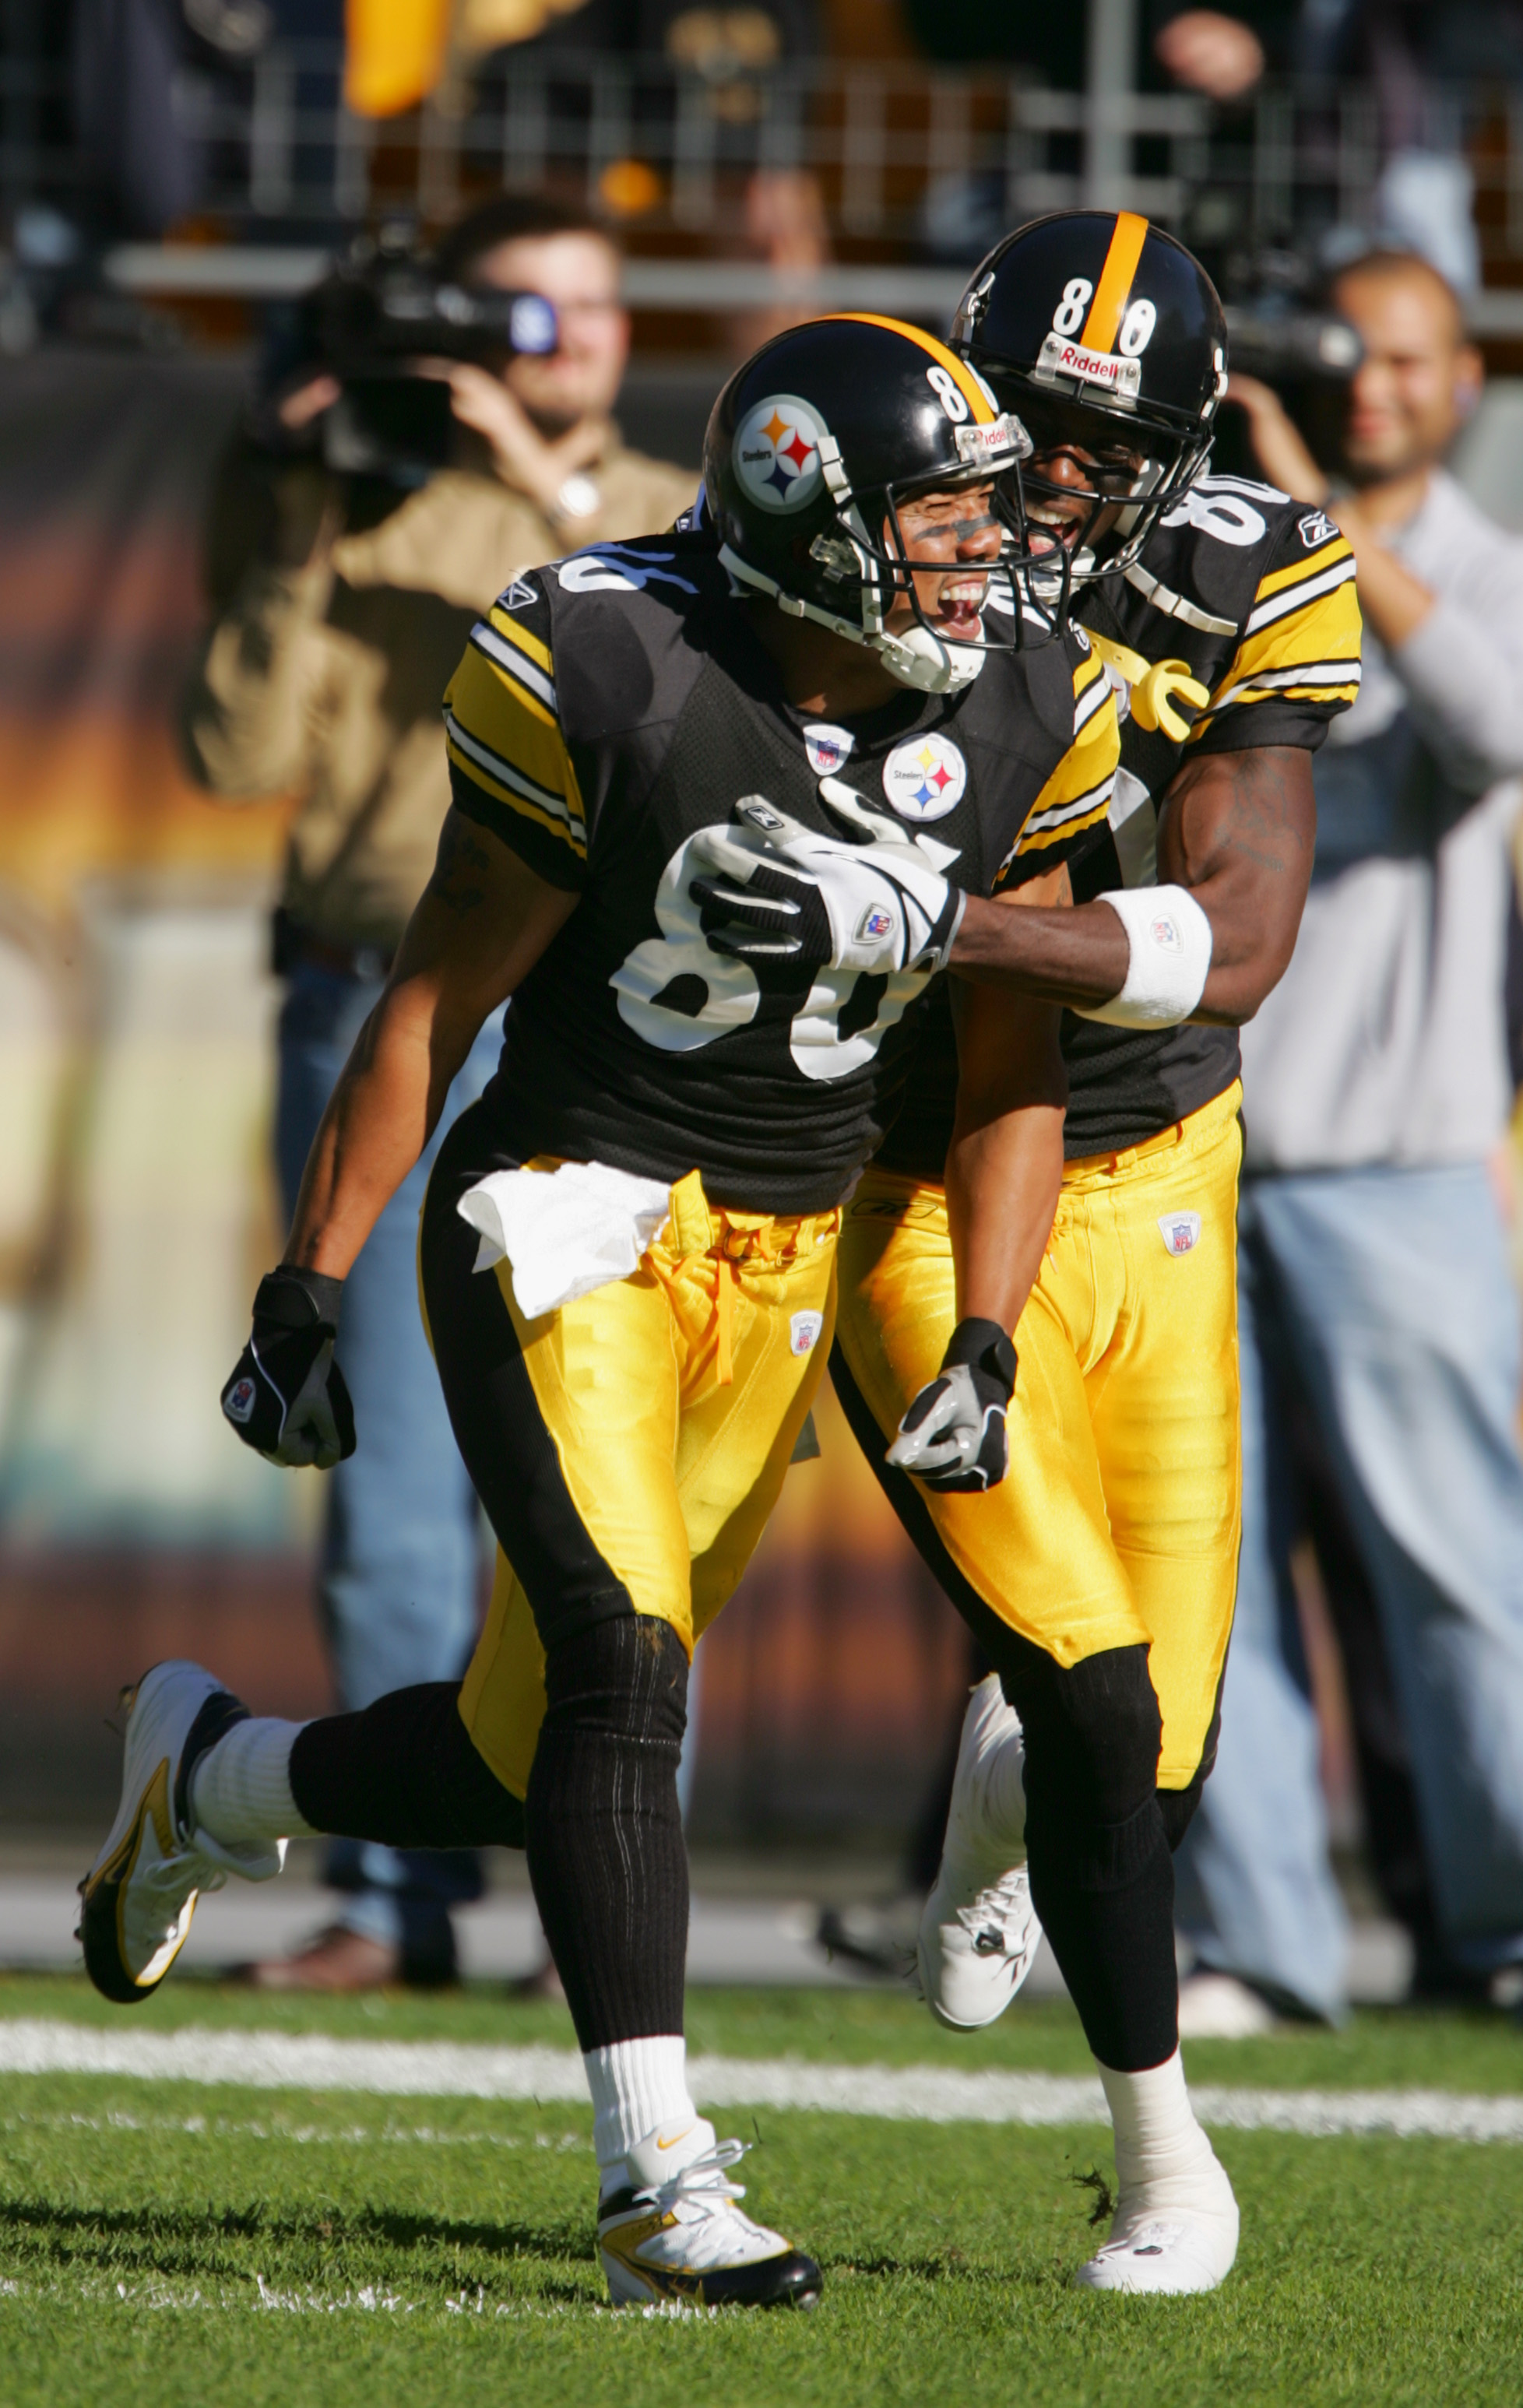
x=916 y=2094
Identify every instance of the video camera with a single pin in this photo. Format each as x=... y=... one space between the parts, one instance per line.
x=382 y=311
x=1277 y=332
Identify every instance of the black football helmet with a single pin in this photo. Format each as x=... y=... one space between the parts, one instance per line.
x=1106 y=337
x=811 y=449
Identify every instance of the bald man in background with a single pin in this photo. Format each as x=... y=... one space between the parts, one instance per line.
x=1379 y=1317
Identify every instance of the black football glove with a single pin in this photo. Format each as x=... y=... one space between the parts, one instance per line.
x=953 y=1437
x=287 y=1397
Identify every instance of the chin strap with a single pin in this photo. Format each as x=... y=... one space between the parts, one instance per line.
x=918 y=659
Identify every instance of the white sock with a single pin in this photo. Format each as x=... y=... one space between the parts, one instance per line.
x=240 y=1789
x=1159 y=2143
x=636 y=2086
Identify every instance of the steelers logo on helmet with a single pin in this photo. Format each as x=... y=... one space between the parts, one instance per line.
x=924 y=778
x=777 y=452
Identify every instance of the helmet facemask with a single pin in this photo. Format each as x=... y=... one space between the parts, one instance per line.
x=1098 y=480
x=867 y=556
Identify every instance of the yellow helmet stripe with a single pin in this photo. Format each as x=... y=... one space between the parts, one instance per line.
x=961 y=374
x=1113 y=290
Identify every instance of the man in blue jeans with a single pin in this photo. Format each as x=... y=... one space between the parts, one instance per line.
x=401 y=1565
x=1377 y=1303
x=323 y=675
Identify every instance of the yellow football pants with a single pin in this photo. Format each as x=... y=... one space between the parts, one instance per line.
x=674 y=1400
x=1118 y=1520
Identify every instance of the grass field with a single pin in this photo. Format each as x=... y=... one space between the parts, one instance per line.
x=167 y=2243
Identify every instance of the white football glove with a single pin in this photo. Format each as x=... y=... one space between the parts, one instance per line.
x=770 y=886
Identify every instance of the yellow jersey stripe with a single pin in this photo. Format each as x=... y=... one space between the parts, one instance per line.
x=1091 y=686
x=1077 y=796
x=1113 y=290
x=1075 y=813
x=1313 y=678
x=1309 y=649
x=1298 y=570
x=502 y=782
x=961 y=374
x=502 y=738
x=506 y=625
x=494 y=710
x=1299 y=598
x=535 y=689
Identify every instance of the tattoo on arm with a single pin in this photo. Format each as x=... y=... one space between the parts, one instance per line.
x=456 y=881
x=1258 y=811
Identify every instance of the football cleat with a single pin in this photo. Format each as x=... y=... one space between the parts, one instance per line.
x=139 y=1894
x=673 y=2232
x=1159 y=2243
x=979 y=1933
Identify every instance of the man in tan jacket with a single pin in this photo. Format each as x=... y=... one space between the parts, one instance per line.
x=343 y=606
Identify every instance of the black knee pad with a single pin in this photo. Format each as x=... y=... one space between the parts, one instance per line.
x=1093 y=1731
x=624 y=1679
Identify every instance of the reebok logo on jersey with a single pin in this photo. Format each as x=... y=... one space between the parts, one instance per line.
x=1180 y=1231
x=1314 y=528
x=518 y=597
x=238 y=1403
x=1165 y=934
x=876 y=922
x=759 y=813
x=803 y=1330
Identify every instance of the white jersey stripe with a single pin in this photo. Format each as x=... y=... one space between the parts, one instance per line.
x=1279 y=606
x=508 y=656
x=555 y=805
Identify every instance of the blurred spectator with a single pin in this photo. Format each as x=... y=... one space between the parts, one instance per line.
x=1410 y=54
x=1221 y=53
x=323 y=675
x=731 y=58
x=1376 y=1292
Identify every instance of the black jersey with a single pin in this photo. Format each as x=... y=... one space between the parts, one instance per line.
x=614 y=704
x=1255 y=594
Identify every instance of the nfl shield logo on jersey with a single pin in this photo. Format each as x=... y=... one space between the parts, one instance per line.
x=1180 y=1231
x=924 y=778
x=828 y=748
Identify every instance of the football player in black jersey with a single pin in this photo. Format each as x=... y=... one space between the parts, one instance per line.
x=628 y=1252
x=1099 y=1573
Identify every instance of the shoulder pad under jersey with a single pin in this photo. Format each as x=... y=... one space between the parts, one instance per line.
x=1204 y=561
x=621 y=620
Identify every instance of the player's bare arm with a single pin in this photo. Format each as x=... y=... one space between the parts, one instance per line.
x=1004 y=1168
x=1004 y=1165
x=483 y=921
x=1238 y=831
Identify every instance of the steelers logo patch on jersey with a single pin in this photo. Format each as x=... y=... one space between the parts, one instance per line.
x=924 y=778
x=777 y=452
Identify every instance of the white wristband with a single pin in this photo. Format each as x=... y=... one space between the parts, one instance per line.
x=1169 y=937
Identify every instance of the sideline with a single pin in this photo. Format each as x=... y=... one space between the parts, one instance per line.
x=268 y=2060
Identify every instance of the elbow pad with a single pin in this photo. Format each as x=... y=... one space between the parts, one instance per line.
x=1169 y=937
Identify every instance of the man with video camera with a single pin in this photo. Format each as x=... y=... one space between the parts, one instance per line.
x=1379 y=1320
x=384 y=498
